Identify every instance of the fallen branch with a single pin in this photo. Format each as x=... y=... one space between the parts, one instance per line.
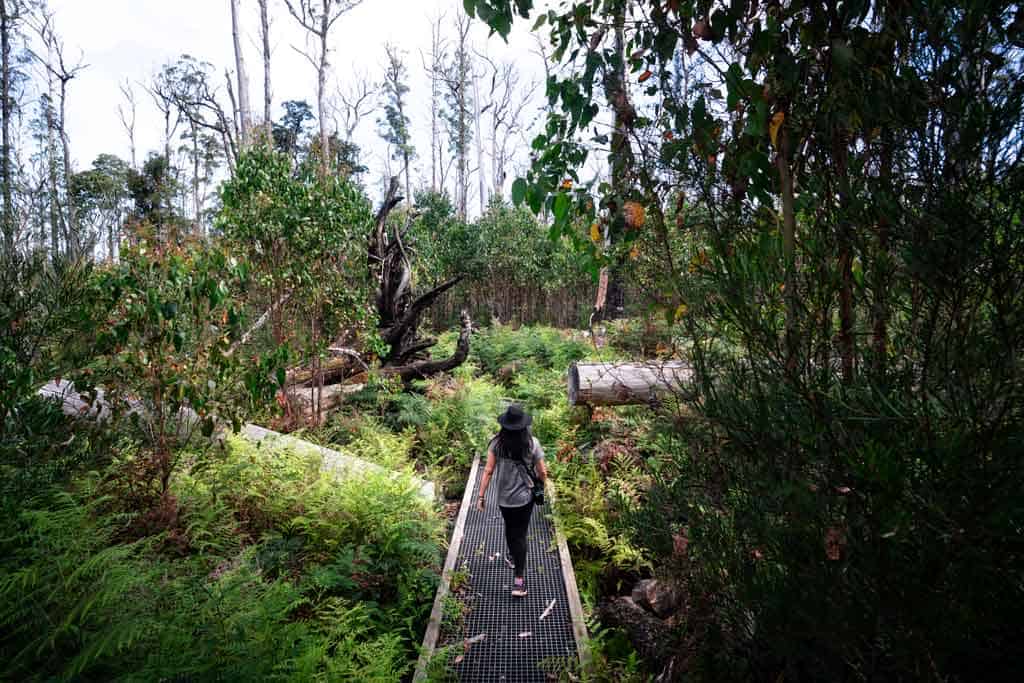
x=260 y=322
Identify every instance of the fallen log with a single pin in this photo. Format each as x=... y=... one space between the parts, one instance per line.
x=303 y=399
x=332 y=369
x=616 y=384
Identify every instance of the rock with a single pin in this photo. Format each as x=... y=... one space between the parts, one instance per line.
x=656 y=596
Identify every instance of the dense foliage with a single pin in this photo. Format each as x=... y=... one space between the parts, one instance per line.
x=832 y=193
x=279 y=570
x=512 y=270
x=817 y=205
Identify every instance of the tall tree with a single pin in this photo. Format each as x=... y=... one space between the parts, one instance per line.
x=434 y=67
x=394 y=127
x=267 y=92
x=8 y=16
x=459 y=115
x=186 y=85
x=509 y=97
x=61 y=72
x=317 y=17
x=244 y=108
x=100 y=195
x=478 y=113
x=127 y=114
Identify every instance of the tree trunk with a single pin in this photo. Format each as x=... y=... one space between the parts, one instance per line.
x=435 y=103
x=267 y=92
x=845 y=239
x=788 y=246
x=5 y=93
x=613 y=384
x=425 y=368
x=51 y=149
x=244 y=111
x=479 y=146
x=399 y=309
x=610 y=300
x=321 y=92
x=196 y=202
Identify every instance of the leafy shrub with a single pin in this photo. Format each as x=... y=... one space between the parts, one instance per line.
x=165 y=355
x=45 y=317
x=587 y=508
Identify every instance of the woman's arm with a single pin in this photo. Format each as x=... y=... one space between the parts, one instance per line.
x=542 y=470
x=540 y=467
x=488 y=470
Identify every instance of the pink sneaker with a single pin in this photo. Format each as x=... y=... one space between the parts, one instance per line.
x=519 y=587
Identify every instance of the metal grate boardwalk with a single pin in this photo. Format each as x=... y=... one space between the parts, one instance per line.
x=517 y=646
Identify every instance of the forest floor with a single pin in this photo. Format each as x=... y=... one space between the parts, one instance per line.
x=261 y=567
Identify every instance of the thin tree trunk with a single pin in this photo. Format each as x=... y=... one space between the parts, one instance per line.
x=195 y=180
x=788 y=246
x=5 y=93
x=321 y=91
x=845 y=239
x=167 y=136
x=267 y=92
x=244 y=111
x=51 y=148
x=129 y=123
x=479 y=146
x=435 y=103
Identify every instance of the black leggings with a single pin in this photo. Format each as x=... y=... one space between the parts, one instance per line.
x=517 y=521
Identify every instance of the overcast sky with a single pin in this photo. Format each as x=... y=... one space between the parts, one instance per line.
x=130 y=39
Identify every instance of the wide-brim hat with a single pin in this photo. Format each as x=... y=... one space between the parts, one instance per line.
x=514 y=418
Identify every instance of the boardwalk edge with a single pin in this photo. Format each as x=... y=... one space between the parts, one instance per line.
x=437 y=613
x=579 y=623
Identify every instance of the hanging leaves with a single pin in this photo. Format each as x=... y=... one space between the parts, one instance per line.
x=644 y=76
x=634 y=214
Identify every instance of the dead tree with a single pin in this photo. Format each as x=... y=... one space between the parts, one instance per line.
x=127 y=116
x=317 y=17
x=508 y=100
x=244 y=109
x=357 y=103
x=58 y=70
x=267 y=92
x=435 y=70
x=398 y=307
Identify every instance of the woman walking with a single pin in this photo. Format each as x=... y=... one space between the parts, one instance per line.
x=519 y=461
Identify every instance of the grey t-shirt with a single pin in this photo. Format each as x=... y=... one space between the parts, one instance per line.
x=514 y=486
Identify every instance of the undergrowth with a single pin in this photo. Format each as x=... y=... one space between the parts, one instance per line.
x=289 y=573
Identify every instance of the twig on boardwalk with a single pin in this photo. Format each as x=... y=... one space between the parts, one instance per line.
x=548 y=610
x=475 y=639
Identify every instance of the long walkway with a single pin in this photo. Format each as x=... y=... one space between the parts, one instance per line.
x=489 y=635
